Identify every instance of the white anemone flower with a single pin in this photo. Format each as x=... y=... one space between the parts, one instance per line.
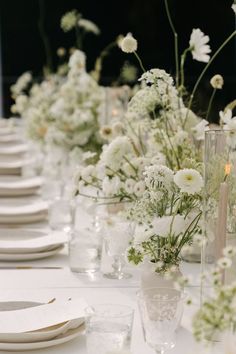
x=128 y=44
x=189 y=181
x=198 y=46
x=89 y=26
x=199 y=130
x=225 y=117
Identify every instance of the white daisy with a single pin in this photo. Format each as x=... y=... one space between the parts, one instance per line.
x=189 y=181
x=198 y=46
x=128 y=44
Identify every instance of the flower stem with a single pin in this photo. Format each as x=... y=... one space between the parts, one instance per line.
x=140 y=61
x=228 y=39
x=44 y=36
x=182 y=78
x=176 y=42
x=210 y=103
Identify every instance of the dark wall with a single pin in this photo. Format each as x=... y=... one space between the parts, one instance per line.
x=22 y=47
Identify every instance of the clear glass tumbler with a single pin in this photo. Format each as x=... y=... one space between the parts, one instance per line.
x=161 y=311
x=61 y=214
x=108 y=328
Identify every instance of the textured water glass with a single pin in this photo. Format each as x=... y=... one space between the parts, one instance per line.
x=117 y=237
x=161 y=311
x=61 y=214
x=108 y=328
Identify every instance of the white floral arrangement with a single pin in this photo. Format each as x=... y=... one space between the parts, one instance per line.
x=167 y=216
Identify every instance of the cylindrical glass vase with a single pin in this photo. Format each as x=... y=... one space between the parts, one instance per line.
x=219 y=199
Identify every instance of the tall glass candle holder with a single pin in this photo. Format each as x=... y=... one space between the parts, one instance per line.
x=219 y=200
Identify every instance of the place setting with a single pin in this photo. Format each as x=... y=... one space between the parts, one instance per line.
x=28 y=325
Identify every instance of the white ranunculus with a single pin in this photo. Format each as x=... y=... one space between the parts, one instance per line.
x=188 y=180
x=129 y=44
x=174 y=225
x=198 y=45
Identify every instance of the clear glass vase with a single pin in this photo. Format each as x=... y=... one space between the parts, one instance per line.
x=219 y=198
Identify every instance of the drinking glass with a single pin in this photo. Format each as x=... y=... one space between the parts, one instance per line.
x=161 y=311
x=117 y=237
x=108 y=328
x=61 y=214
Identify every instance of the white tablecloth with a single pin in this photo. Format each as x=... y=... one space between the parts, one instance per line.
x=43 y=285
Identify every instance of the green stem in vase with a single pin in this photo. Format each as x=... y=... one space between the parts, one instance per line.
x=228 y=39
x=140 y=61
x=210 y=103
x=44 y=36
x=176 y=42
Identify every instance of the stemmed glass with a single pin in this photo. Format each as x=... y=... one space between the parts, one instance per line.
x=117 y=236
x=161 y=311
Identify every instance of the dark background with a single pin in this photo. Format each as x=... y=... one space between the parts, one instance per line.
x=22 y=47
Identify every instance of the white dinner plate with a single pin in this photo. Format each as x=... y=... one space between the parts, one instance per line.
x=29 y=241
x=44 y=334
x=13 y=150
x=15 y=257
x=63 y=338
x=22 y=212
x=20 y=186
x=23 y=219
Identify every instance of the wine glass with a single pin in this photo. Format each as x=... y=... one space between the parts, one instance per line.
x=117 y=236
x=161 y=311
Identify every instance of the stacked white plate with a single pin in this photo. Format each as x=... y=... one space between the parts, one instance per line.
x=24 y=212
x=26 y=245
x=14 y=186
x=13 y=167
x=12 y=151
x=16 y=339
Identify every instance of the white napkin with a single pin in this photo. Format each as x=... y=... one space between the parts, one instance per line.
x=22 y=183
x=36 y=244
x=42 y=316
x=28 y=209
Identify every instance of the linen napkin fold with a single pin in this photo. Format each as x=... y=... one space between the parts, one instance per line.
x=42 y=316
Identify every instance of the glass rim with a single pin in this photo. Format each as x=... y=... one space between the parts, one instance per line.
x=211 y=131
x=141 y=295
x=129 y=310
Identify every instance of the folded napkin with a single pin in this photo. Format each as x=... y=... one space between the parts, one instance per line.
x=34 y=318
x=34 y=244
